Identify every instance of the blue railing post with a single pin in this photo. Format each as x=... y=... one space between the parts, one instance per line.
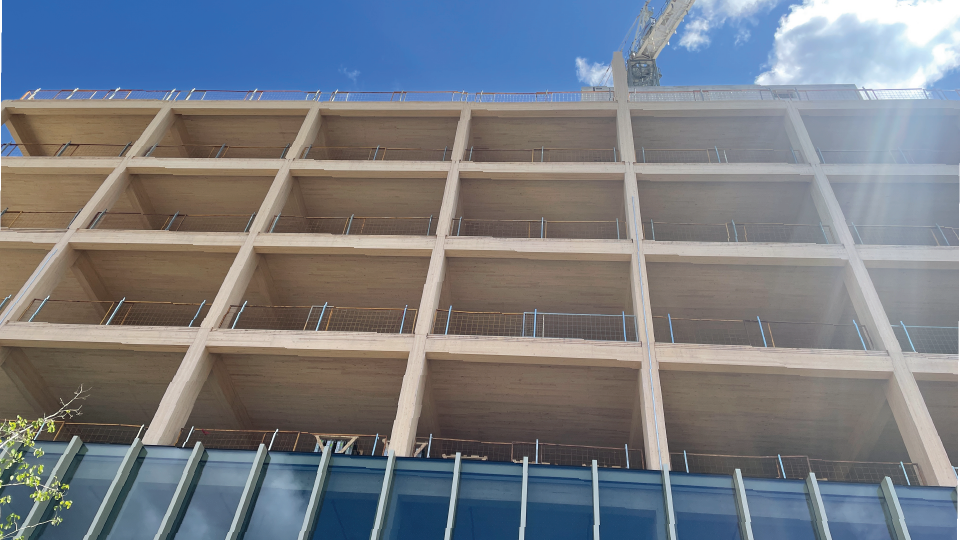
x=644 y=154
x=459 y=224
x=820 y=155
x=429 y=224
x=860 y=335
x=762 y=335
x=112 y=315
x=653 y=232
x=617 y=221
x=449 y=312
x=542 y=223
x=941 y=234
x=324 y=310
x=852 y=224
x=249 y=222
x=718 y=154
x=38 y=309
x=404 y=318
x=670 y=323
x=910 y=341
x=275 y=220
x=349 y=224
x=523 y=325
x=172 y=219
x=825 y=239
x=735 y=237
x=534 y=322
x=243 y=307
x=197 y=314
x=624 y=313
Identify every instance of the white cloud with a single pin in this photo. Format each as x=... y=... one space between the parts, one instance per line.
x=710 y=14
x=872 y=43
x=351 y=74
x=592 y=74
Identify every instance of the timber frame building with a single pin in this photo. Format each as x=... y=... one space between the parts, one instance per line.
x=705 y=272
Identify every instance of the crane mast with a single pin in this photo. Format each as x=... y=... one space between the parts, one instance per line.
x=652 y=35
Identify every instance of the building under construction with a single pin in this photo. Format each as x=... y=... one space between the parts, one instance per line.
x=710 y=312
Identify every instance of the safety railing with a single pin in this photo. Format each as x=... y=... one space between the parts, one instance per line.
x=375 y=153
x=745 y=94
x=797 y=468
x=544 y=97
x=761 y=333
x=282 y=441
x=93 y=433
x=927 y=339
x=536 y=452
x=905 y=235
x=542 y=155
x=18 y=219
x=173 y=222
x=539 y=228
x=718 y=155
x=214 y=151
x=895 y=156
x=738 y=232
x=421 y=226
x=122 y=313
x=599 y=327
x=323 y=317
x=68 y=149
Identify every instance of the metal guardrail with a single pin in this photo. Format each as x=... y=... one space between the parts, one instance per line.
x=317 y=318
x=420 y=226
x=535 y=323
x=761 y=333
x=18 y=219
x=758 y=94
x=797 y=468
x=122 y=313
x=536 y=452
x=539 y=228
x=376 y=153
x=894 y=156
x=282 y=441
x=172 y=222
x=214 y=151
x=93 y=433
x=927 y=339
x=719 y=155
x=905 y=235
x=738 y=232
x=68 y=149
x=541 y=155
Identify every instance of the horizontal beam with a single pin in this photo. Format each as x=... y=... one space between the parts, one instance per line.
x=883 y=173
x=925 y=257
x=311 y=344
x=566 y=352
x=544 y=171
x=328 y=244
x=90 y=336
x=136 y=240
x=932 y=367
x=746 y=253
x=26 y=239
x=556 y=249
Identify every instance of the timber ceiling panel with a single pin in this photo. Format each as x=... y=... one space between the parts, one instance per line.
x=720 y=202
x=326 y=395
x=762 y=415
x=741 y=132
x=563 y=200
x=369 y=197
x=79 y=128
x=513 y=402
x=918 y=203
x=276 y=130
x=387 y=131
x=551 y=132
x=200 y=194
x=918 y=297
x=48 y=192
x=884 y=130
x=16 y=266
x=12 y=402
x=941 y=400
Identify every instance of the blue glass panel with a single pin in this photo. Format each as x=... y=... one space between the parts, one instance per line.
x=89 y=477
x=214 y=496
x=147 y=493
x=779 y=509
x=281 y=502
x=20 y=501
x=419 y=499
x=855 y=511
x=350 y=499
x=705 y=507
x=488 y=506
x=559 y=503
x=930 y=512
x=631 y=504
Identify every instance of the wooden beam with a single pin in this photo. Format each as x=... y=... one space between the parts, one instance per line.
x=429 y=419
x=226 y=393
x=181 y=394
x=866 y=432
x=28 y=381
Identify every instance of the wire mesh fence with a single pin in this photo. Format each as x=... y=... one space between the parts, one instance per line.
x=761 y=333
x=535 y=452
x=119 y=93
x=620 y=327
x=215 y=151
x=544 y=97
x=719 y=155
x=796 y=468
x=282 y=441
x=68 y=149
x=122 y=313
x=927 y=339
x=540 y=228
x=17 y=219
x=905 y=235
x=93 y=433
x=421 y=226
x=172 y=222
x=542 y=155
x=901 y=156
x=738 y=232
x=400 y=95
x=322 y=317
x=376 y=153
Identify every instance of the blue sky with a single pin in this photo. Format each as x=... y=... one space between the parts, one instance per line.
x=492 y=46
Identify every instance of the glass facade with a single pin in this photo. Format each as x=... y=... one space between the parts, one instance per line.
x=560 y=500
x=20 y=501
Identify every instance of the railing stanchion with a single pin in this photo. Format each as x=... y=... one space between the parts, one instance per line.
x=244 y=306
x=541 y=154
x=404 y=318
x=794 y=154
x=852 y=224
x=38 y=309
x=653 y=231
x=941 y=234
x=220 y=151
x=172 y=219
x=63 y=148
x=449 y=312
x=626 y=450
x=471 y=154
x=762 y=335
x=859 y=334
x=150 y=151
x=124 y=151
x=197 y=314
x=718 y=154
x=114 y=311
x=275 y=220
x=283 y=155
x=624 y=315
x=820 y=155
x=429 y=223
x=644 y=154
x=249 y=222
x=349 y=224
x=542 y=223
x=534 y=322
x=324 y=310
x=735 y=237
x=375 y=152
x=459 y=224
x=686 y=464
x=670 y=324
x=617 y=221
x=825 y=239
x=910 y=341
x=444 y=156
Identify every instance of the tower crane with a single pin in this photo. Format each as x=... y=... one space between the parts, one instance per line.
x=652 y=35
